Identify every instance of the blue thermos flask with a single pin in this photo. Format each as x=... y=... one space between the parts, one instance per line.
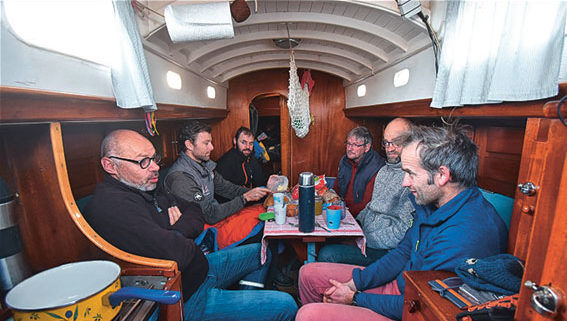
x=306 y=202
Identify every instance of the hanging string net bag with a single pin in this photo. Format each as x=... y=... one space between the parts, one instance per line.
x=298 y=102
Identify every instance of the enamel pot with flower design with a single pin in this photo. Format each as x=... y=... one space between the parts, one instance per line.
x=89 y=290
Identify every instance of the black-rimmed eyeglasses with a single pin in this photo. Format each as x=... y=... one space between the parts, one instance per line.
x=387 y=143
x=347 y=144
x=144 y=162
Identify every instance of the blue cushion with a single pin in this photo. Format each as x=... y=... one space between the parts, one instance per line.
x=82 y=202
x=330 y=181
x=503 y=205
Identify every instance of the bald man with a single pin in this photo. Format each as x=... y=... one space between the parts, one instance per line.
x=127 y=212
x=389 y=214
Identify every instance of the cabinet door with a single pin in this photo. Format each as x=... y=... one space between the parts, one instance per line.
x=543 y=220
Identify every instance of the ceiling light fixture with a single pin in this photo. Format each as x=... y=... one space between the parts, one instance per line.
x=286 y=43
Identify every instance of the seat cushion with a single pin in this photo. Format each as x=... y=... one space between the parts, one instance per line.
x=503 y=205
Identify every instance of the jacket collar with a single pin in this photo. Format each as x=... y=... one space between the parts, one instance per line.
x=241 y=156
x=148 y=196
x=366 y=158
x=203 y=168
x=435 y=216
x=396 y=166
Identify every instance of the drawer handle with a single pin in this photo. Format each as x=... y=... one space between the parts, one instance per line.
x=413 y=306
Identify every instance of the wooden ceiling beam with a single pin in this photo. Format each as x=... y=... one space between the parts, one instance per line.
x=284 y=57
x=304 y=47
x=328 y=19
x=285 y=64
x=241 y=39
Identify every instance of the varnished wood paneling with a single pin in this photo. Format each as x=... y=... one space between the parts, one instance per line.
x=421 y=108
x=82 y=149
x=49 y=236
x=499 y=150
x=269 y=106
x=241 y=91
x=545 y=164
x=543 y=154
x=504 y=140
x=321 y=149
x=285 y=136
x=26 y=105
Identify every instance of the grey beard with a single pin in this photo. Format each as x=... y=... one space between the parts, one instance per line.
x=140 y=187
x=396 y=160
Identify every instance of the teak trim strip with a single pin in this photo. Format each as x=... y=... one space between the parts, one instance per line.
x=22 y=105
x=420 y=108
x=77 y=217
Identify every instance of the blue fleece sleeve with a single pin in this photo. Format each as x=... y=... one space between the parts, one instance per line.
x=379 y=273
x=390 y=306
x=385 y=269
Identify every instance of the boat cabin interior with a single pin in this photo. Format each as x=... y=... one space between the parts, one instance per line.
x=72 y=72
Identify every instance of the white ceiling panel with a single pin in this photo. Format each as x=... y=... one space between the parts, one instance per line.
x=349 y=39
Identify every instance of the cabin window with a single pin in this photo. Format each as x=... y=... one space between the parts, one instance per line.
x=173 y=80
x=401 y=78
x=77 y=28
x=361 y=91
x=211 y=92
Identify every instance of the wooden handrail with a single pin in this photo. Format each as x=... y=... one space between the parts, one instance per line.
x=550 y=109
x=79 y=220
x=23 y=105
x=420 y=109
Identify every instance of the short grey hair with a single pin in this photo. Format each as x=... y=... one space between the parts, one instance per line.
x=109 y=145
x=361 y=132
x=446 y=146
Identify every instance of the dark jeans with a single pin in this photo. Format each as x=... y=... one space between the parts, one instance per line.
x=349 y=254
x=211 y=302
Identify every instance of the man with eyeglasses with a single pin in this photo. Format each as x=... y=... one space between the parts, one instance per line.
x=389 y=214
x=452 y=222
x=238 y=165
x=129 y=212
x=357 y=170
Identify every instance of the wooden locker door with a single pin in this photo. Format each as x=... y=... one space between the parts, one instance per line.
x=543 y=216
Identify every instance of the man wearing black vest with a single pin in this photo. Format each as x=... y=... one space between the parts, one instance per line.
x=357 y=170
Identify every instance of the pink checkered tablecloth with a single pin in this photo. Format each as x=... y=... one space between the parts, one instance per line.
x=348 y=228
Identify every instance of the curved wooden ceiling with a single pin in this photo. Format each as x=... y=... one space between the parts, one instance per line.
x=350 y=39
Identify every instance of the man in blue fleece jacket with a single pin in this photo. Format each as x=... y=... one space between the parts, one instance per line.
x=452 y=221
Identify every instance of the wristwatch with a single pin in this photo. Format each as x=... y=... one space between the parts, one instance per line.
x=354 y=302
x=244 y=201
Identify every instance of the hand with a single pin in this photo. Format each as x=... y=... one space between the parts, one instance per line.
x=340 y=293
x=174 y=214
x=256 y=193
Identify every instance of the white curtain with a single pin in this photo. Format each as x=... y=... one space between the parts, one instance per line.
x=501 y=50
x=130 y=77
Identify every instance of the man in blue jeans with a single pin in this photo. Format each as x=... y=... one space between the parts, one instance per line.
x=127 y=211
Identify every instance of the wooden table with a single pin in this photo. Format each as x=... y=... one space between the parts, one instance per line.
x=421 y=303
x=349 y=228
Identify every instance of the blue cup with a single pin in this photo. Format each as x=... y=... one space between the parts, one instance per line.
x=333 y=218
